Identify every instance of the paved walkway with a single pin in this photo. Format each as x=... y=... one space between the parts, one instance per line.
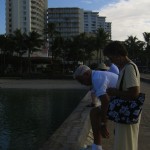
x=143 y=75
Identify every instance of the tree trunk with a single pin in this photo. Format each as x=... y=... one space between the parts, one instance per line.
x=29 y=62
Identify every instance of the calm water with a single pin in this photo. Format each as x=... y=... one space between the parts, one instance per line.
x=29 y=117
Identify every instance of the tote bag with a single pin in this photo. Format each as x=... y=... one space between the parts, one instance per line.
x=125 y=111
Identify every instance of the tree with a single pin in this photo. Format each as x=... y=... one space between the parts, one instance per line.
x=134 y=46
x=33 y=43
x=6 y=49
x=19 y=45
x=2 y=52
x=58 y=47
x=89 y=48
x=102 y=38
x=51 y=33
x=147 y=47
x=19 y=41
x=77 y=48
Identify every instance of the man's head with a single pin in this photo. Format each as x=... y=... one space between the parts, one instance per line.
x=115 y=48
x=83 y=75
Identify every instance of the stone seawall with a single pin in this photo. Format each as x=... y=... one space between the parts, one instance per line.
x=73 y=133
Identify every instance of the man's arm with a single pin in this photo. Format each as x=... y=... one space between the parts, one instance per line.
x=130 y=94
x=103 y=122
x=104 y=106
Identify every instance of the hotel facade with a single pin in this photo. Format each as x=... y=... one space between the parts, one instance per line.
x=69 y=21
x=73 y=21
x=26 y=15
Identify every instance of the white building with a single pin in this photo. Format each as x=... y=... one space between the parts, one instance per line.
x=92 y=22
x=26 y=15
x=69 y=21
x=108 y=28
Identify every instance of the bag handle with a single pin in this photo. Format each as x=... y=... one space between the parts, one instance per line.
x=121 y=82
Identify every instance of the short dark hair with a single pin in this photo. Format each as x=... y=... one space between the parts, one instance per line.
x=115 y=48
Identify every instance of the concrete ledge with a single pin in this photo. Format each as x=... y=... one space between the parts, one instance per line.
x=74 y=131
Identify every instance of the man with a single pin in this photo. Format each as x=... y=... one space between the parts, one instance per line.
x=100 y=81
x=112 y=67
x=101 y=67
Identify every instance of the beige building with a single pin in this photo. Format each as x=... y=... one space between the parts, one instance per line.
x=69 y=21
x=27 y=15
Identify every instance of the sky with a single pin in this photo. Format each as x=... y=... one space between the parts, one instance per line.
x=128 y=17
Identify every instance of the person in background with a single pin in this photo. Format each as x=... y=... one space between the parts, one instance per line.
x=94 y=100
x=112 y=67
x=100 y=82
x=126 y=135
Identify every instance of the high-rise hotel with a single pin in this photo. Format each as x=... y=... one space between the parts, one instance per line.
x=69 y=21
x=92 y=22
x=73 y=21
x=26 y=15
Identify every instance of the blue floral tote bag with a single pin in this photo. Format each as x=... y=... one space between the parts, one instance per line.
x=125 y=111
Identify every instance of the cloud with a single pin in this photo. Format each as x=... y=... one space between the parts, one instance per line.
x=128 y=17
x=87 y=1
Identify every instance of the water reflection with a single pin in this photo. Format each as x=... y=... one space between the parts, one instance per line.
x=28 y=117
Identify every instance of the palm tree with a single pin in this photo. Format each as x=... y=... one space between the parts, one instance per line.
x=68 y=49
x=82 y=44
x=89 y=48
x=102 y=38
x=6 y=48
x=19 y=41
x=2 y=52
x=33 y=43
x=134 y=46
x=147 y=48
x=51 y=33
x=77 y=48
x=19 y=45
x=57 y=47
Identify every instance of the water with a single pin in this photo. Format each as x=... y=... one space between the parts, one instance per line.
x=29 y=117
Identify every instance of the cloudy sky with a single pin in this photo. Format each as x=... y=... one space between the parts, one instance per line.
x=128 y=17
